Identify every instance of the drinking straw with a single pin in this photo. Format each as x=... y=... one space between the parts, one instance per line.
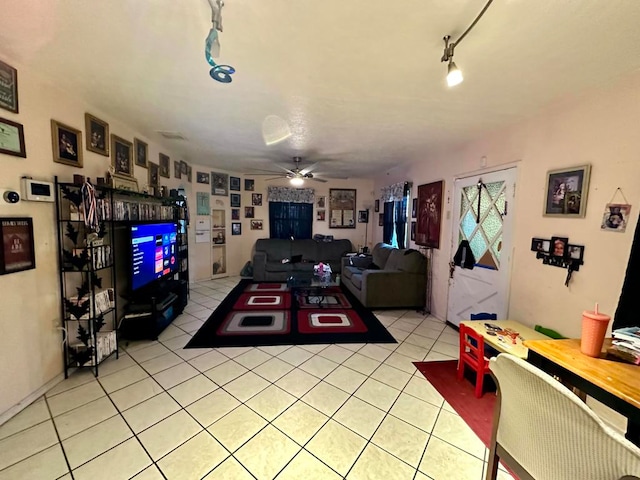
x=596 y=308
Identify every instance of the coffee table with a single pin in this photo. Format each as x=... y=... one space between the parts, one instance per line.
x=314 y=285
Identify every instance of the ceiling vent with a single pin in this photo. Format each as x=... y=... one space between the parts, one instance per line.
x=172 y=135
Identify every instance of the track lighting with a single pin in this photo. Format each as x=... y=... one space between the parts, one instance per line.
x=454 y=74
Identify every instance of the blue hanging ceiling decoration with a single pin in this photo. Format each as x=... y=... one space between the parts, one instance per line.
x=220 y=73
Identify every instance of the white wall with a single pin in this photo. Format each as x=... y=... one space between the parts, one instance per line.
x=599 y=128
x=30 y=344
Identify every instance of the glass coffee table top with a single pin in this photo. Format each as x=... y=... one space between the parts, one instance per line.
x=311 y=279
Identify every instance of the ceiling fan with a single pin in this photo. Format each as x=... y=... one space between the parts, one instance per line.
x=296 y=175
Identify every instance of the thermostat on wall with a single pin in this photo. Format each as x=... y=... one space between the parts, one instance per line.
x=37 y=191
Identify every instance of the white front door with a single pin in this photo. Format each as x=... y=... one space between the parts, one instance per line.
x=483 y=215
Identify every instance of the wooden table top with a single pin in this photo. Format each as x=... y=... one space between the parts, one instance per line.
x=618 y=378
x=505 y=345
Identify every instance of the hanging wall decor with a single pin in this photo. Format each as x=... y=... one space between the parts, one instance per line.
x=220 y=73
x=122 y=156
x=67 y=145
x=429 y=214
x=17 y=252
x=142 y=152
x=234 y=183
x=97 y=132
x=616 y=215
x=202 y=177
x=219 y=184
x=202 y=200
x=8 y=88
x=566 y=192
x=164 y=162
x=12 y=138
x=342 y=208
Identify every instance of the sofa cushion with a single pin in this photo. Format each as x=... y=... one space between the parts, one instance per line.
x=334 y=250
x=276 y=249
x=306 y=248
x=278 y=267
x=349 y=271
x=356 y=280
x=410 y=261
x=380 y=254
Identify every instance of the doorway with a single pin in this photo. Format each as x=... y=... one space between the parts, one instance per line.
x=483 y=215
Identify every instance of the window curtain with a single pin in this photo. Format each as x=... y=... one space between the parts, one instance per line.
x=290 y=220
x=387 y=225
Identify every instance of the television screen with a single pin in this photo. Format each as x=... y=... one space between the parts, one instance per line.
x=153 y=252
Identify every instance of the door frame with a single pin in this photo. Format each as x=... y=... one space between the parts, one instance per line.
x=454 y=227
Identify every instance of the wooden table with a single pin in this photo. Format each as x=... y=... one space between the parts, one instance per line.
x=504 y=343
x=614 y=383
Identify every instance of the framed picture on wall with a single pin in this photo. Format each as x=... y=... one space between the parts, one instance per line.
x=236 y=228
x=12 y=138
x=249 y=212
x=235 y=199
x=202 y=177
x=18 y=252
x=249 y=184
x=234 y=183
x=97 y=132
x=321 y=202
x=67 y=144
x=220 y=184
x=142 y=152
x=566 y=192
x=376 y=207
x=177 y=169
x=235 y=214
x=342 y=208
x=256 y=199
x=154 y=175
x=414 y=208
x=122 y=156
x=320 y=215
x=413 y=231
x=256 y=224
x=429 y=214
x=381 y=220
x=164 y=163
x=363 y=216
x=8 y=88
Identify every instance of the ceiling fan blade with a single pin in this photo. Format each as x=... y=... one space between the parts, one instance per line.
x=262 y=174
x=317 y=180
x=309 y=169
x=275 y=178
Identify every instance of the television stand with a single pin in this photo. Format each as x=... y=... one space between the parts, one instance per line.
x=147 y=315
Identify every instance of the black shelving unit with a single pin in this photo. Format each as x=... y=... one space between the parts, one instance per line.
x=87 y=278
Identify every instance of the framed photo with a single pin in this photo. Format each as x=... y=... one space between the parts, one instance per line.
x=249 y=212
x=234 y=183
x=202 y=203
x=256 y=199
x=154 y=175
x=381 y=220
x=67 y=144
x=8 y=88
x=164 y=162
x=256 y=225
x=122 y=156
x=429 y=214
x=566 y=192
x=12 y=138
x=249 y=184
x=414 y=208
x=559 y=247
x=142 y=152
x=97 y=132
x=121 y=182
x=538 y=245
x=183 y=167
x=235 y=214
x=363 y=216
x=321 y=215
x=575 y=252
x=235 y=200
x=203 y=177
x=220 y=184
x=376 y=207
x=321 y=202
x=342 y=208
x=413 y=231
x=18 y=252
x=616 y=216
x=177 y=169
x=189 y=171
x=236 y=228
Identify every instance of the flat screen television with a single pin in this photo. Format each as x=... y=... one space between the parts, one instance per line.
x=154 y=252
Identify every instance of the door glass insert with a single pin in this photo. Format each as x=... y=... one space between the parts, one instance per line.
x=483 y=227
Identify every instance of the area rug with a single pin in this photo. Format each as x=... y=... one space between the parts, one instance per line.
x=476 y=412
x=262 y=314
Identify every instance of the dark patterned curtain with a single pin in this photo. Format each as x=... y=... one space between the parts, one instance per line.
x=387 y=225
x=290 y=220
x=401 y=222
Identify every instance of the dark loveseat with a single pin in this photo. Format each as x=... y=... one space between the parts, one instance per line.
x=269 y=253
x=389 y=277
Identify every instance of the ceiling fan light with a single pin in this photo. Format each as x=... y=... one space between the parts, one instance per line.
x=454 y=75
x=296 y=181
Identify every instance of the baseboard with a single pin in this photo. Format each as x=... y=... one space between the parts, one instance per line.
x=24 y=403
x=455 y=327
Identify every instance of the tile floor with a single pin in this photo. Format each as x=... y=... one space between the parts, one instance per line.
x=316 y=412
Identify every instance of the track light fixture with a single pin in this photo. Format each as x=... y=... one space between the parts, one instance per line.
x=454 y=75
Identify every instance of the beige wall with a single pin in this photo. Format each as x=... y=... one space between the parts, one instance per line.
x=30 y=344
x=598 y=128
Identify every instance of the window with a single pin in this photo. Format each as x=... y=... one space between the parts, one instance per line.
x=395 y=225
x=290 y=220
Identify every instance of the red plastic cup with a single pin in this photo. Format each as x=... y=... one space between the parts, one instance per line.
x=594 y=328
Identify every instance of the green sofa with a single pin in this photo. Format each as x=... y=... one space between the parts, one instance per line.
x=388 y=278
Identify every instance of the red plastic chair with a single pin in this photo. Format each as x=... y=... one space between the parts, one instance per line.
x=472 y=353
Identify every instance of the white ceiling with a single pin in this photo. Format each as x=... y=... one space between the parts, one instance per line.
x=359 y=82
